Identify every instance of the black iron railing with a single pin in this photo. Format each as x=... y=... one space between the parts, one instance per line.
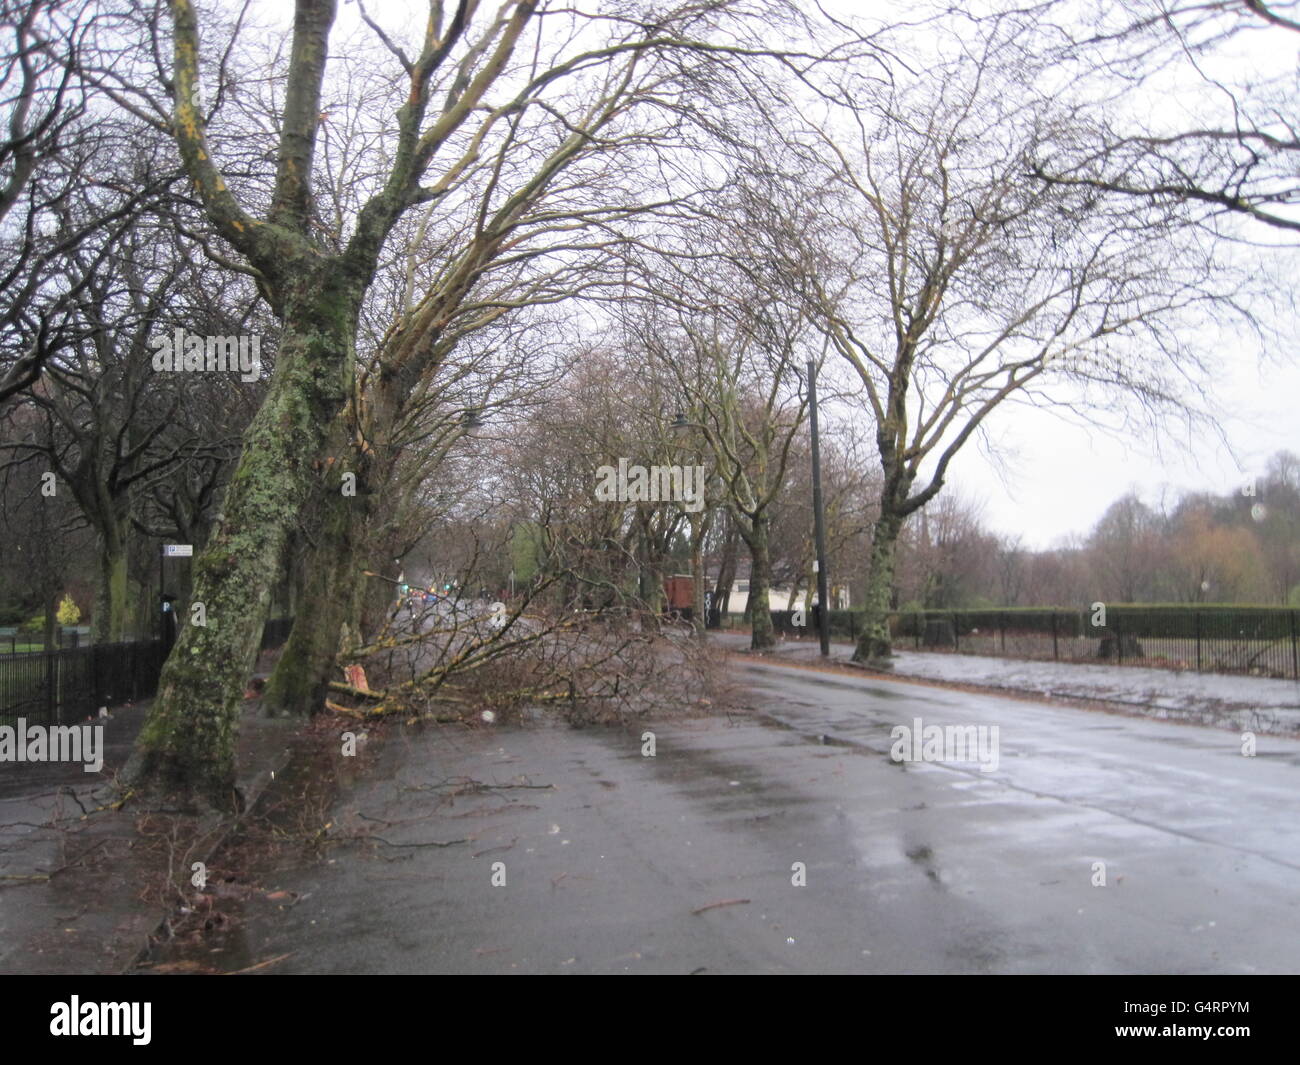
x=73 y=683
x=1256 y=641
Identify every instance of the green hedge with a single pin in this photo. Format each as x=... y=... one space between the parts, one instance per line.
x=1154 y=621
x=1173 y=621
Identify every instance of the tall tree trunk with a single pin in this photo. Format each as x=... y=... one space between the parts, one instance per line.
x=762 y=635
x=188 y=740
x=378 y=543
x=301 y=677
x=302 y=673
x=874 y=647
x=333 y=594
x=109 y=622
x=144 y=606
x=726 y=569
x=51 y=632
x=699 y=529
x=650 y=580
x=371 y=604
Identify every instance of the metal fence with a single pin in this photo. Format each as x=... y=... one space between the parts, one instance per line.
x=70 y=684
x=64 y=636
x=1257 y=641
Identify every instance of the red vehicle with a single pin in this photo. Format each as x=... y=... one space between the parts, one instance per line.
x=679 y=591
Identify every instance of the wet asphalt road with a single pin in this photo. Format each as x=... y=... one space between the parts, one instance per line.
x=935 y=868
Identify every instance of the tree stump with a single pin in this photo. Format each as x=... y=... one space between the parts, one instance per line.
x=1125 y=646
x=939 y=633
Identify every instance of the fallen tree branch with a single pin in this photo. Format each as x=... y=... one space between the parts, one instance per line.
x=261 y=964
x=724 y=902
x=427 y=843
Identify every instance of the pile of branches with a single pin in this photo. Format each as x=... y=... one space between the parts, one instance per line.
x=461 y=659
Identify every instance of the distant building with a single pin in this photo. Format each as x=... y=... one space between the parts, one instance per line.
x=778 y=597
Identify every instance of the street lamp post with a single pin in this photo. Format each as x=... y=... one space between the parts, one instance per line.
x=819 y=519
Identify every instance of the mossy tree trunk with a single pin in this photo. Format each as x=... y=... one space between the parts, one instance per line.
x=378 y=543
x=874 y=645
x=188 y=740
x=300 y=681
x=358 y=532
x=316 y=289
x=762 y=635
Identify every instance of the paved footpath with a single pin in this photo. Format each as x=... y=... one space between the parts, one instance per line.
x=79 y=893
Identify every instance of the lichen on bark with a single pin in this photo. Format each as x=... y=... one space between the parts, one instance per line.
x=188 y=740
x=874 y=645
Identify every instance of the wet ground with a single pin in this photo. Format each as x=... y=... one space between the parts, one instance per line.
x=68 y=881
x=554 y=850
x=84 y=880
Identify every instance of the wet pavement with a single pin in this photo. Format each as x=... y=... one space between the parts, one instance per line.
x=82 y=880
x=554 y=850
x=67 y=880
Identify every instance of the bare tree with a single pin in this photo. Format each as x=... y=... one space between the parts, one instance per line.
x=109 y=427
x=952 y=282
x=457 y=89
x=63 y=182
x=738 y=375
x=1236 y=157
x=1012 y=562
x=45 y=534
x=1126 y=552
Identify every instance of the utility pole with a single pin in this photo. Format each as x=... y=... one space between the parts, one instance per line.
x=819 y=520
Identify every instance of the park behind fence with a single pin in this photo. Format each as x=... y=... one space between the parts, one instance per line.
x=1255 y=641
x=70 y=684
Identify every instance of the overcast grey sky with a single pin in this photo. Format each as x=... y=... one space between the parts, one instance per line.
x=1059 y=478
x=1051 y=478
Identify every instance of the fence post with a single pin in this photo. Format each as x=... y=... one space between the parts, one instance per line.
x=917 y=622
x=1056 y=654
x=1119 y=644
x=51 y=696
x=93 y=651
x=1295 y=658
x=1197 y=614
x=1002 y=624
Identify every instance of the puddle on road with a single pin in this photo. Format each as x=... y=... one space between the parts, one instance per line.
x=825 y=739
x=923 y=857
x=828 y=681
x=1287 y=756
